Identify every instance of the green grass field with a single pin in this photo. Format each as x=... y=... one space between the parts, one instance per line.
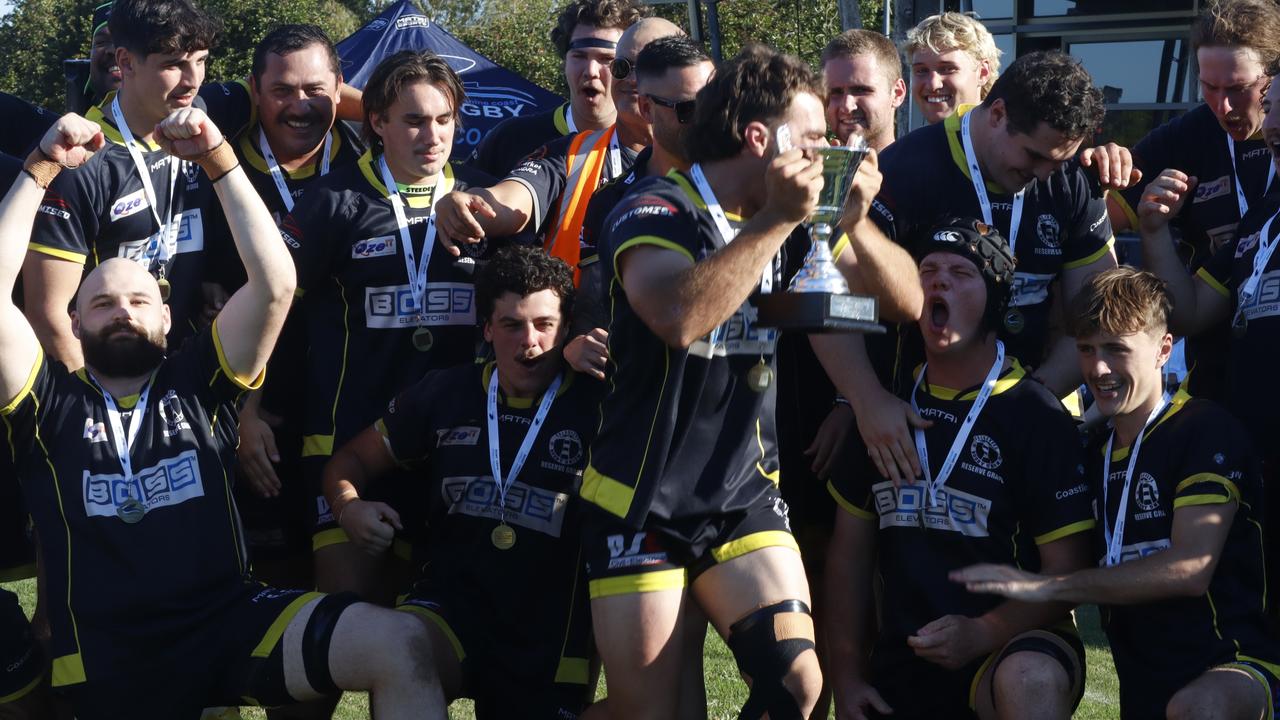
x=726 y=692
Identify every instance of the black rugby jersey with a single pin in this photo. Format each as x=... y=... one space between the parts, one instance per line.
x=511 y=140
x=1249 y=396
x=545 y=173
x=535 y=592
x=682 y=434
x=100 y=210
x=1064 y=219
x=345 y=149
x=1195 y=454
x=115 y=588
x=25 y=124
x=1018 y=483
x=607 y=197
x=229 y=105
x=357 y=303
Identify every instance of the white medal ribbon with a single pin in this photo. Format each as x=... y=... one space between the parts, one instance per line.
x=980 y=187
x=727 y=233
x=1266 y=248
x=615 y=157
x=1240 y=199
x=1115 y=537
x=124 y=441
x=164 y=244
x=495 y=455
x=568 y=120
x=274 y=168
x=417 y=271
x=962 y=435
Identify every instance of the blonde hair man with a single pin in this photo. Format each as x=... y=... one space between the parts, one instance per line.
x=954 y=61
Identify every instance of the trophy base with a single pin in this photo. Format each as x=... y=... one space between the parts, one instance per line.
x=818 y=312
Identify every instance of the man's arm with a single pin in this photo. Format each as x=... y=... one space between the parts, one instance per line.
x=680 y=300
x=69 y=142
x=850 y=614
x=48 y=286
x=468 y=216
x=873 y=264
x=371 y=525
x=350 y=104
x=250 y=322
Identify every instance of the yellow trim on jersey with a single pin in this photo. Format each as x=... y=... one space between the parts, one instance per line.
x=842 y=244
x=952 y=127
x=696 y=196
x=342 y=376
x=68 y=255
x=109 y=130
x=1232 y=490
x=1208 y=278
x=325 y=538
x=20 y=572
x=22 y=692
x=982 y=670
x=1065 y=531
x=648 y=240
x=847 y=506
x=26 y=387
x=276 y=630
x=655 y=581
x=751 y=543
x=253 y=154
x=440 y=623
x=68 y=670
x=574 y=671
x=317 y=445
x=372 y=175
x=1006 y=382
x=512 y=401
x=559 y=118
x=608 y=493
x=1180 y=399
x=241 y=382
x=774 y=477
x=1129 y=214
x=1194 y=500
x=1090 y=259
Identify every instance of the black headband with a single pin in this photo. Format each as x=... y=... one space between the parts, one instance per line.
x=590 y=42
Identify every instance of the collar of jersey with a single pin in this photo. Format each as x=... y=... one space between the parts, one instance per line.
x=520 y=402
x=1176 y=404
x=1008 y=379
x=687 y=186
x=369 y=169
x=127 y=402
x=249 y=147
x=952 y=127
x=560 y=120
x=109 y=130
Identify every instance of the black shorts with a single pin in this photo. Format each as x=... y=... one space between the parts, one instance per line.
x=278 y=527
x=17 y=550
x=399 y=489
x=233 y=657
x=21 y=662
x=953 y=693
x=551 y=679
x=670 y=554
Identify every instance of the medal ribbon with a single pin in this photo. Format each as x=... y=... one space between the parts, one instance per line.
x=1235 y=174
x=615 y=157
x=274 y=168
x=1266 y=248
x=962 y=435
x=1115 y=539
x=158 y=247
x=980 y=187
x=495 y=456
x=124 y=441
x=417 y=271
x=727 y=233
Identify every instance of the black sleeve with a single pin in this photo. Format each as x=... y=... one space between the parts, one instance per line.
x=201 y=357
x=1056 y=499
x=229 y=105
x=67 y=223
x=406 y=425
x=852 y=487
x=544 y=173
x=1153 y=154
x=22 y=416
x=25 y=124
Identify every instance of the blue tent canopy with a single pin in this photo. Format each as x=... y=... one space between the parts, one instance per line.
x=493 y=92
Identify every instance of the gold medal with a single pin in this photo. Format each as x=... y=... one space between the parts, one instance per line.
x=165 y=288
x=1014 y=321
x=131 y=511
x=760 y=377
x=422 y=339
x=503 y=537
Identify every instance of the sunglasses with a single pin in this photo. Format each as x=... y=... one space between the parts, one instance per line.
x=621 y=68
x=684 y=108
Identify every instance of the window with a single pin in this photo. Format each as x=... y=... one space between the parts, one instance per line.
x=1058 y=8
x=1137 y=71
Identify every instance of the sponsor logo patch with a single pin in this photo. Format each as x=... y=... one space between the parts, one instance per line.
x=374 y=247
x=464 y=435
x=131 y=204
x=392 y=306
x=1210 y=189
x=527 y=506
x=167 y=483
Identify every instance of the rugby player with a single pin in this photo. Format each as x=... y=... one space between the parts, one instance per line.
x=1180 y=580
x=954 y=61
x=690 y=507
x=132 y=199
x=1003 y=484
x=380 y=307
x=138 y=529
x=862 y=74
x=585 y=36
x=501 y=596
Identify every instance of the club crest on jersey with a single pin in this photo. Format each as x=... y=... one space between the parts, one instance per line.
x=1146 y=494
x=566 y=447
x=171 y=413
x=191 y=172
x=1048 y=231
x=985 y=452
x=94 y=431
x=458 y=436
x=374 y=247
x=131 y=204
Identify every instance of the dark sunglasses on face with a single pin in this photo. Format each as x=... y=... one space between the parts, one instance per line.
x=621 y=68
x=684 y=108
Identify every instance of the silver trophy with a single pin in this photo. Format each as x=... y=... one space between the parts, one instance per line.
x=818 y=298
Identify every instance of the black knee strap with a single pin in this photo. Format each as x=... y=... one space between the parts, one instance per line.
x=764 y=649
x=317 y=636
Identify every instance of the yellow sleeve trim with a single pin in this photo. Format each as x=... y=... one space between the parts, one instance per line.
x=573 y=671
x=1094 y=257
x=842 y=244
x=1211 y=281
x=26 y=387
x=1065 y=531
x=1232 y=491
x=325 y=538
x=440 y=623
x=1193 y=500
x=644 y=582
x=847 y=506
x=241 y=382
x=648 y=240
x=68 y=670
x=68 y=255
x=276 y=630
x=602 y=490
x=1124 y=207
x=751 y=543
